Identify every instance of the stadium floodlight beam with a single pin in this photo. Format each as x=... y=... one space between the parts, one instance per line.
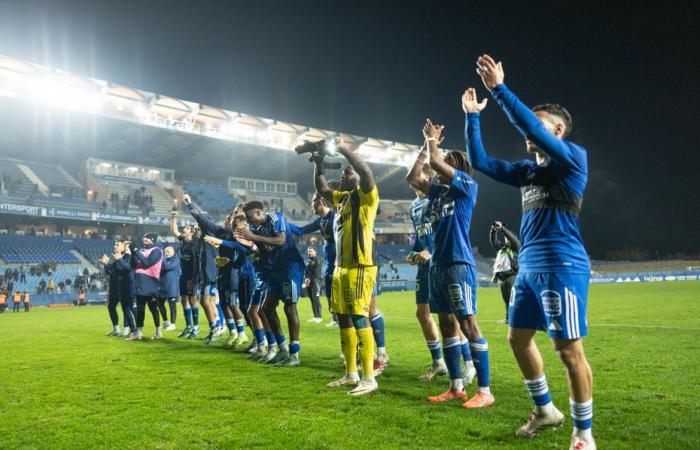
x=56 y=88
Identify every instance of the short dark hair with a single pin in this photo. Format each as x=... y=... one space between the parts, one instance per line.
x=253 y=204
x=461 y=162
x=557 y=110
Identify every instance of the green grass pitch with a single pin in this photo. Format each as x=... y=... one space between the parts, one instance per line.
x=63 y=384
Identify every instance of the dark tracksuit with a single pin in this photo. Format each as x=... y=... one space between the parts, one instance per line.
x=247 y=275
x=125 y=290
x=115 y=275
x=169 y=286
x=205 y=254
x=146 y=286
x=314 y=275
x=506 y=279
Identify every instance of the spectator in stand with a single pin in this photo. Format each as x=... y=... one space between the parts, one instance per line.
x=42 y=287
x=22 y=275
x=52 y=286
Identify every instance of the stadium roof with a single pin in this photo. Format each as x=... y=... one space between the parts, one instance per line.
x=44 y=85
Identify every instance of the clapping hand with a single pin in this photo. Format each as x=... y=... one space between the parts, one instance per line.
x=490 y=71
x=470 y=104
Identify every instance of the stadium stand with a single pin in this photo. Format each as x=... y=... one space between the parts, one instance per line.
x=215 y=200
x=33 y=249
x=290 y=205
x=60 y=274
x=93 y=249
x=14 y=181
x=136 y=189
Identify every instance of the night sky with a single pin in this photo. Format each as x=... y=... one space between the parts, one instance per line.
x=627 y=72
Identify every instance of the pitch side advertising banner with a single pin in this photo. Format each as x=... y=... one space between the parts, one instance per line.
x=14 y=208
x=104 y=217
x=69 y=213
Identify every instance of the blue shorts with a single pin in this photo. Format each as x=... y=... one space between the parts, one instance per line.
x=227 y=297
x=208 y=289
x=259 y=293
x=555 y=302
x=423 y=285
x=286 y=286
x=187 y=286
x=453 y=289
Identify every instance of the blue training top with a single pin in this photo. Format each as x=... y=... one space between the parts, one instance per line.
x=272 y=258
x=422 y=225
x=552 y=193
x=325 y=226
x=451 y=210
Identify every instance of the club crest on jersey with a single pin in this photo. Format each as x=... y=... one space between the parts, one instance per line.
x=551 y=302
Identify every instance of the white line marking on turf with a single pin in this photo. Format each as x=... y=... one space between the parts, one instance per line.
x=626 y=325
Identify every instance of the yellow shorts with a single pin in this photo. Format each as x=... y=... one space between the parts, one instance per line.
x=352 y=290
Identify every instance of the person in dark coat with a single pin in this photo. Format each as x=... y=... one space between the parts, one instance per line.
x=169 y=290
x=147 y=262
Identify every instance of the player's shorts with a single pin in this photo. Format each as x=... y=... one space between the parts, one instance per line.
x=352 y=290
x=208 y=289
x=260 y=293
x=555 y=302
x=286 y=286
x=187 y=286
x=227 y=297
x=423 y=285
x=246 y=289
x=453 y=289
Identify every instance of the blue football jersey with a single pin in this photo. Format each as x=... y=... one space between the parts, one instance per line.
x=272 y=257
x=552 y=192
x=451 y=215
x=422 y=224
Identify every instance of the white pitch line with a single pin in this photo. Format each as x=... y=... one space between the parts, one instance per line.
x=626 y=325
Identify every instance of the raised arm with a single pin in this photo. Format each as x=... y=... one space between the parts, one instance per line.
x=173 y=224
x=527 y=123
x=501 y=171
x=306 y=229
x=432 y=134
x=367 y=182
x=496 y=243
x=320 y=182
x=414 y=177
x=512 y=237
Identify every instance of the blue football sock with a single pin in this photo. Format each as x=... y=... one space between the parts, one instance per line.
x=281 y=341
x=188 y=316
x=231 y=323
x=221 y=313
x=480 y=353
x=260 y=336
x=213 y=324
x=270 y=338
x=582 y=414
x=240 y=326
x=377 y=322
x=195 y=317
x=539 y=391
x=453 y=354
x=435 y=349
x=294 y=348
x=466 y=353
